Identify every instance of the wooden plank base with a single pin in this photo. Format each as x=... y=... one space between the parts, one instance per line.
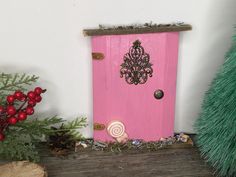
x=171 y=162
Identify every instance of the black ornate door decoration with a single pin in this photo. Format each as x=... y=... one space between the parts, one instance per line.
x=136 y=67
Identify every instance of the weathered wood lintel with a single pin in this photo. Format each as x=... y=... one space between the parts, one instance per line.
x=140 y=30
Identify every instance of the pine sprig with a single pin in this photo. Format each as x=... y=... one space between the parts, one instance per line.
x=10 y=82
x=21 y=139
x=13 y=82
x=73 y=126
x=18 y=146
x=37 y=128
x=64 y=137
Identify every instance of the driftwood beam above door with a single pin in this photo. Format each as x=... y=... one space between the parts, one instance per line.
x=137 y=30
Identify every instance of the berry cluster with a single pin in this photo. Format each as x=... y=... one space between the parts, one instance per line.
x=13 y=112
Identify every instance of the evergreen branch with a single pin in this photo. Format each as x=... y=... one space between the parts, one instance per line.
x=12 y=83
x=22 y=138
x=18 y=146
x=73 y=126
x=38 y=128
x=77 y=123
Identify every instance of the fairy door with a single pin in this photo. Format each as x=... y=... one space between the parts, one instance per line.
x=134 y=85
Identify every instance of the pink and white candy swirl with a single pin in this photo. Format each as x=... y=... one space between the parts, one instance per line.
x=116 y=129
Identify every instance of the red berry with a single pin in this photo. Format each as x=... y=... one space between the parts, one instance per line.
x=12 y=120
x=10 y=99
x=18 y=94
x=31 y=103
x=2 y=136
x=31 y=95
x=22 y=116
x=11 y=110
x=29 y=110
x=2 y=109
x=23 y=97
x=38 y=90
x=38 y=98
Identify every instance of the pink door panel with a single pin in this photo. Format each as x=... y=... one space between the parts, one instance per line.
x=144 y=116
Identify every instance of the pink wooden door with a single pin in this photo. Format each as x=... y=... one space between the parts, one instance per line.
x=144 y=116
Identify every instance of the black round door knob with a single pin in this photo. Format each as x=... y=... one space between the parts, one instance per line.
x=158 y=94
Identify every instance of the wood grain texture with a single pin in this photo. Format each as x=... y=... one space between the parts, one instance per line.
x=22 y=169
x=156 y=29
x=144 y=116
x=184 y=161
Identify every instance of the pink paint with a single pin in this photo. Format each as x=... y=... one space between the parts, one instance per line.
x=113 y=99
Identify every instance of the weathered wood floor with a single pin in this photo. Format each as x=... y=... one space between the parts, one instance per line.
x=180 y=162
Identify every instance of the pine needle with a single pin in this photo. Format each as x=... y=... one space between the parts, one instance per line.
x=22 y=138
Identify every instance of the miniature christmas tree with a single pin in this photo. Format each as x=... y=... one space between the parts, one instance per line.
x=216 y=126
x=19 y=134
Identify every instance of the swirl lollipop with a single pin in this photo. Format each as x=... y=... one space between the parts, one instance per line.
x=116 y=129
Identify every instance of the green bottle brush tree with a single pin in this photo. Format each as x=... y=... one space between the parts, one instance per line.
x=19 y=133
x=216 y=126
